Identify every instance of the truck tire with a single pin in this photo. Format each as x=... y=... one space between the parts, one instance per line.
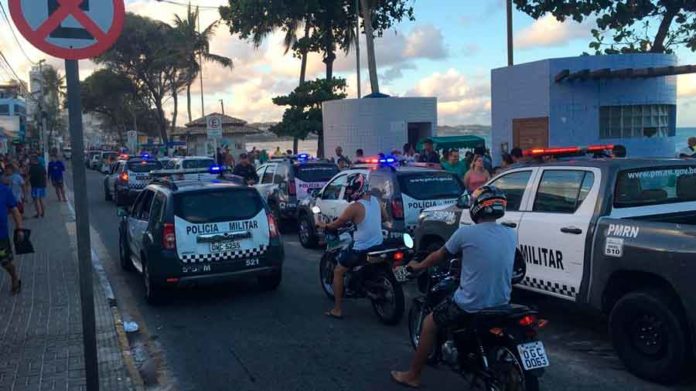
x=648 y=331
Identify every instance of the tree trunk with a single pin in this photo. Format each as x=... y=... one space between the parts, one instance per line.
x=370 y=40
x=188 y=100
x=658 y=45
x=175 y=99
x=295 y=143
x=161 y=122
x=303 y=77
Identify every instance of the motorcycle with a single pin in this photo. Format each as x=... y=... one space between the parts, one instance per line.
x=375 y=279
x=498 y=348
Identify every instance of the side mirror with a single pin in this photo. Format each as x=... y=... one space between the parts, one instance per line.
x=315 y=193
x=122 y=212
x=464 y=201
x=408 y=241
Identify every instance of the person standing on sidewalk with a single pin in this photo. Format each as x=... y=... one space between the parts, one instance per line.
x=16 y=184
x=8 y=204
x=56 y=168
x=37 y=178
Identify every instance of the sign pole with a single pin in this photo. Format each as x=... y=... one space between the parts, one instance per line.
x=84 y=254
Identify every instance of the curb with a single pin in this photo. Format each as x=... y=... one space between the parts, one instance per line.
x=101 y=277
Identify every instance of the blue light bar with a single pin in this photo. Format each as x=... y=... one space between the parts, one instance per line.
x=387 y=160
x=215 y=169
x=303 y=156
x=145 y=155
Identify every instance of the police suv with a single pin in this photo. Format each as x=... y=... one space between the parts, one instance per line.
x=617 y=235
x=404 y=190
x=182 y=233
x=128 y=177
x=190 y=166
x=284 y=182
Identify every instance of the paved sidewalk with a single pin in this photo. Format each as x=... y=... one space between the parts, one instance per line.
x=41 y=329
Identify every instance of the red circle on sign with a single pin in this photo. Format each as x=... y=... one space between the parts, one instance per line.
x=66 y=8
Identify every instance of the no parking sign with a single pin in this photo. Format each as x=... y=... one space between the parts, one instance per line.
x=69 y=29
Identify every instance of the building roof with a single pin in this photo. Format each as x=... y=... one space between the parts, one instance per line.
x=624 y=73
x=230 y=127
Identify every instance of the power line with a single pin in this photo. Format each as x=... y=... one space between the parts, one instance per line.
x=2 y=56
x=7 y=19
x=203 y=7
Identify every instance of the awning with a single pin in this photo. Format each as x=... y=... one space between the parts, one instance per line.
x=624 y=73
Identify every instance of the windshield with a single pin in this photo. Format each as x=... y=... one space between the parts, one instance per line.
x=431 y=185
x=315 y=173
x=144 y=166
x=218 y=205
x=197 y=163
x=653 y=186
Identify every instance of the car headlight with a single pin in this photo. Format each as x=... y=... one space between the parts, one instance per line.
x=447 y=217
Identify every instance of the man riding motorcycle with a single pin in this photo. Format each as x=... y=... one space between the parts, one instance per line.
x=367 y=214
x=487 y=252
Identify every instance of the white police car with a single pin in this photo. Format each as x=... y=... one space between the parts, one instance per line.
x=128 y=177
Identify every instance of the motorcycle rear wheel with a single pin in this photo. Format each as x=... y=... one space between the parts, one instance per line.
x=390 y=307
x=326 y=273
x=507 y=371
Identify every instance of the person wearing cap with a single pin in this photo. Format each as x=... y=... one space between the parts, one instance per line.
x=246 y=170
x=428 y=155
x=690 y=150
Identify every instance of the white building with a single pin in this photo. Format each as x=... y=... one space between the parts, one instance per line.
x=377 y=124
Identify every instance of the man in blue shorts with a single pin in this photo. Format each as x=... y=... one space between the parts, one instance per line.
x=8 y=204
x=37 y=179
x=55 y=173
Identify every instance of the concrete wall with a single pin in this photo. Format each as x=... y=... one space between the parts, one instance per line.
x=517 y=92
x=575 y=105
x=529 y=90
x=373 y=124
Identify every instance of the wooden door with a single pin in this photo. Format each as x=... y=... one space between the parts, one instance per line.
x=530 y=132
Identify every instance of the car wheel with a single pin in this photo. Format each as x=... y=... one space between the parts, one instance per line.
x=118 y=198
x=649 y=334
x=305 y=230
x=107 y=193
x=153 y=292
x=271 y=282
x=124 y=255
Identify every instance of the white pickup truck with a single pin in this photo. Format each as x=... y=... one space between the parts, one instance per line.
x=617 y=235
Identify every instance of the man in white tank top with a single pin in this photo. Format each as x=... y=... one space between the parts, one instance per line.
x=367 y=214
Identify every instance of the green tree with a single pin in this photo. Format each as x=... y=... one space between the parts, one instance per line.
x=145 y=55
x=626 y=26
x=194 y=47
x=303 y=115
x=50 y=100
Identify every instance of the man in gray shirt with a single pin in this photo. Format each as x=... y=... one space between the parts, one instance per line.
x=487 y=252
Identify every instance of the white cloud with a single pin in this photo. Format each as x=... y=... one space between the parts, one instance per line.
x=425 y=42
x=459 y=101
x=549 y=32
x=686 y=85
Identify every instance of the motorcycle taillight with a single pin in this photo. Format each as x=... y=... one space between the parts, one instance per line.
x=527 y=320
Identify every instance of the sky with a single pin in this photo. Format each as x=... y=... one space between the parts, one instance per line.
x=447 y=52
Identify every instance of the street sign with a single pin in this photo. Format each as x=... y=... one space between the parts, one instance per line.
x=69 y=29
x=214 y=125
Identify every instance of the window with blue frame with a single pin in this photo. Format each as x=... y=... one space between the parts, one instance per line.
x=5 y=109
x=637 y=121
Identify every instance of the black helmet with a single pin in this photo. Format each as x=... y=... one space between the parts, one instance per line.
x=487 y=202
x=357 y=187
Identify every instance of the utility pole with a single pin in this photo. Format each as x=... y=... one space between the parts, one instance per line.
x=357 y=43
x=222 y=106
x=200 y=61
x=510 y=46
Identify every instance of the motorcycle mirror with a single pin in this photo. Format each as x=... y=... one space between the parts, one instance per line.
x=464 y=201
x=408 y=241
x=316 y=210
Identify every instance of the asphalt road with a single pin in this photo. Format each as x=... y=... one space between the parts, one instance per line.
x=237 y=337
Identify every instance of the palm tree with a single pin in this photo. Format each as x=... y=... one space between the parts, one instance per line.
x=52 y=96
x=368 y=7
x=196 y=48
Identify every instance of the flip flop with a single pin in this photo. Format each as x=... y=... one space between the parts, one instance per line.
x=16 y=289
x=399 y=382
x=331 y=315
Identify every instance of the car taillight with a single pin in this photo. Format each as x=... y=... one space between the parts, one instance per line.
x=272 y=227
x=397 y=209
x=169 y=237
x=292 y=188
x=398 y=257
x=123 y=177
x=527 y=320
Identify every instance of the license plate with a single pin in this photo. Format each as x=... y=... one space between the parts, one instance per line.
x=141 y=177
x=533 y=355
x=400 y=273
x=227 y=245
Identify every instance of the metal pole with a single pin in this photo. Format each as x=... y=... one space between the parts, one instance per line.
x=44 y=139
x=357 y=43
x=200 y=61
x=510 y=46
x=84 y=256
x=222 y=106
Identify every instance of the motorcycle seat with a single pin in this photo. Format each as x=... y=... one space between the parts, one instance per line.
x=503 y=310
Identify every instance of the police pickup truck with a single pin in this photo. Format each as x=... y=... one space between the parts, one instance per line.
x=617 y=235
